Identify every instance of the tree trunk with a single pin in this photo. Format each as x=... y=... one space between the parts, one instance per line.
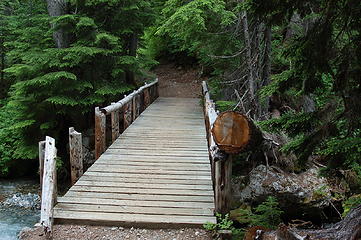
x=58 y=8
x=2 y=67
x=347 y=229
x=251 y=77
x=308 y=104
x=266 y=69
x=132 y=51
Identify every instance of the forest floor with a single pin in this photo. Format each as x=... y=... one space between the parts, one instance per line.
x=173 y=82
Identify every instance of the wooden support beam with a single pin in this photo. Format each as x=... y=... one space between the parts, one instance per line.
x=115 y=125
x=100 y=137
x=76 y=155
x=49 y=194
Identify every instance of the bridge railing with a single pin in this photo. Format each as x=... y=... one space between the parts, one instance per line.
x=221 y=163
x=126 y=110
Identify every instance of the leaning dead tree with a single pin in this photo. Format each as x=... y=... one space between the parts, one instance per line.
x=347 y=229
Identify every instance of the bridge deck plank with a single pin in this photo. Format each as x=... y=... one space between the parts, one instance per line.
x=156 y=174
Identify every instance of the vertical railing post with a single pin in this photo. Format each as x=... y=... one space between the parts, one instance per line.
x=115 y=125
x=157 y=89
x=49 y=193
x=127 y=115
x=223 y=175
x=146 y=98
x=76 y=155
x=134 y=108
x=100 y=137
x=41 y=163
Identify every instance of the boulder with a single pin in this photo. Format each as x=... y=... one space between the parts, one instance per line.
x=298 y=194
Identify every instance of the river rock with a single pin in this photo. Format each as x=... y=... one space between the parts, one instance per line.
x=30 y=201
x=305 y=193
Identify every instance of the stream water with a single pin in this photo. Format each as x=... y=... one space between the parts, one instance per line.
x=18 y=207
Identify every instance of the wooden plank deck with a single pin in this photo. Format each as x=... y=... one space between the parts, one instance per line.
x=156 y=174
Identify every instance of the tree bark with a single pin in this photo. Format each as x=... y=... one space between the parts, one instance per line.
x=58 y=8
x=132 y=51
x=266 y=69
x=247 y=39
x=347 y=229
x=2 y=67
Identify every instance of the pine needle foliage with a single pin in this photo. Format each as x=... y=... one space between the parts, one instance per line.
x=322 y=61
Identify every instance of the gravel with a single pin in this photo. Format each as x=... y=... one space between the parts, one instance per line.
x=71 y=232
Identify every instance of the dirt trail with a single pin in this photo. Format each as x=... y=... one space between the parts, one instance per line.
x=178 y=82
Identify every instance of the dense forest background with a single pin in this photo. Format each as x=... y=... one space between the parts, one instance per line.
x=294 y=67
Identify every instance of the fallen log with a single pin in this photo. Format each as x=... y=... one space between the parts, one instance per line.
x=234 y=132
x=347 y=229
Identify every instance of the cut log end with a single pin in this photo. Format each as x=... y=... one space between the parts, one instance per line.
x=233 y=132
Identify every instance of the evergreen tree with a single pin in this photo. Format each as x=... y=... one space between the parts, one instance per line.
x=58 y=87
x=324 y=62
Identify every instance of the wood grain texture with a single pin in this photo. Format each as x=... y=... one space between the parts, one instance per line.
x=115 y=125
x=76 y=155
x=156 y=173
x=100 y=137
x=48 y=197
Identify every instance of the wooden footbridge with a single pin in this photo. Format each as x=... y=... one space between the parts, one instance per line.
x=156 y=173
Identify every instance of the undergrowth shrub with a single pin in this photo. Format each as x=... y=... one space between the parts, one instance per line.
x=267 y=214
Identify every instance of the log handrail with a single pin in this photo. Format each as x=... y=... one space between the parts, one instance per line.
x=118 y=105
x=221 y=163
x=211 y=115
x=130 y=107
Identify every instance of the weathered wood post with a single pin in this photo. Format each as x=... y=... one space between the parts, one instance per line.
x=41 y=163
x=223 y=194
x=157 y=89
x=146 y=98
x=76 y=155
x=115 y=124
x=134 y=106
x=100 y=137
x=127 y=115
x=49 y=195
